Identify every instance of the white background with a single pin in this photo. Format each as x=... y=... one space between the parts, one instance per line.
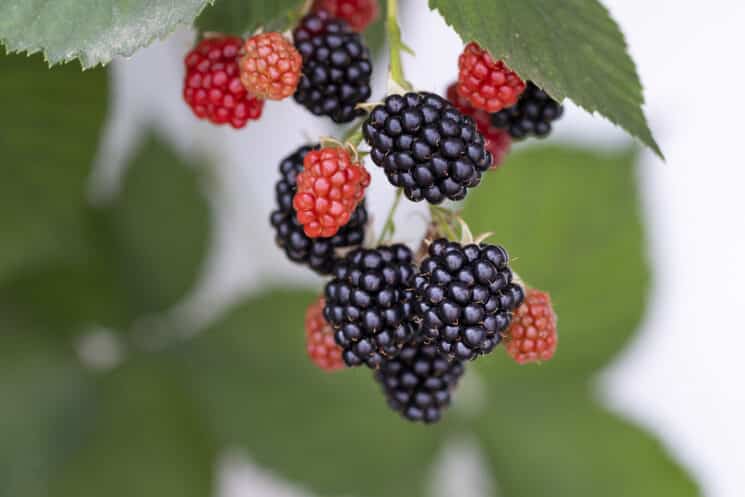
x=683 y=376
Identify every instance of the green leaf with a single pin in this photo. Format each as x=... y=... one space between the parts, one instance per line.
x=156 y=232
x=570 y=219
x=49 y=132
x=558 y=443
x=573 y=49
x=46 y=399
x=133 y=431
x=331 y=432
x=94 y=31
x=140 y=254
x=147 y=439
x=69 y=298
x=239 y=17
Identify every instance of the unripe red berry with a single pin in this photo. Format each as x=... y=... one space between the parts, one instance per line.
x=532 y=336
x=271 y=66
x=212 y=85
x=319 y=335
x=357 y=13
x=498 y=143
x=328 y=191
x=486 y=83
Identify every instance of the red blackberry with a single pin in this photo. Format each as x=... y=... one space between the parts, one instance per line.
x=499 y=145
x=426 y=146
x=532 y=335
x=317 y=253
x=370 y=304
x=418 y=382
x=465 y=297
x=357 y=13
x=329 y=189
x=336 y=67
x=498 y=141
x=212 y=85
x=271 y=66
x=533 y=114
x=319 y=336
x=486 y=83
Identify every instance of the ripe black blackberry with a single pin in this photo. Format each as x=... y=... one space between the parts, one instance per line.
x=532 y=115
x=426 y=146
x=370 y=304
x=465 y=297
x=336 y=67
x=318 y=253
x=419 y=381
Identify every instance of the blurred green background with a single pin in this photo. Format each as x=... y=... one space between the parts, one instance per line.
x=103 y=392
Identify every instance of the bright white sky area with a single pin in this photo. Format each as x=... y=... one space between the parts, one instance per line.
x=683 y=376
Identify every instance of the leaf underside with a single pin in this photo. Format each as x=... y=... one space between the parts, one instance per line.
x=241 y=17
x=93 y=31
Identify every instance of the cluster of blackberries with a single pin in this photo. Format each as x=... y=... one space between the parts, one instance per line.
x=499 y=99
x=532 y=115
x=426 y=146
x=326 y=67
x=416 y=326
x=318 y=253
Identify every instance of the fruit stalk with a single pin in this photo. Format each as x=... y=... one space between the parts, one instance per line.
x=396 y=72
x=389 y=228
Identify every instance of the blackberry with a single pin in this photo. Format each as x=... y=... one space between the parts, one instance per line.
x=318 y=253
x=329 y=190
x=532 y=115
x=370 y=304
x=358 y=13
x=212 y=84
x=336 y=67
x=532 y=336
x=418 y=382
x=319 y=339
x=426 y=146
x=465 y=297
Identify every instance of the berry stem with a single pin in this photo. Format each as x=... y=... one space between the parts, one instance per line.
x=389 y=228
x=396 y=72
x=294 y=15
x=443 y=220
x=466 y=237
x=354 y=136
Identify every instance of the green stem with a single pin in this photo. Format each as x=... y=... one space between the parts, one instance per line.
x=354 y=136
x=389 y=228
x=442 y=218
x=396 y=72
x=295 y=15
